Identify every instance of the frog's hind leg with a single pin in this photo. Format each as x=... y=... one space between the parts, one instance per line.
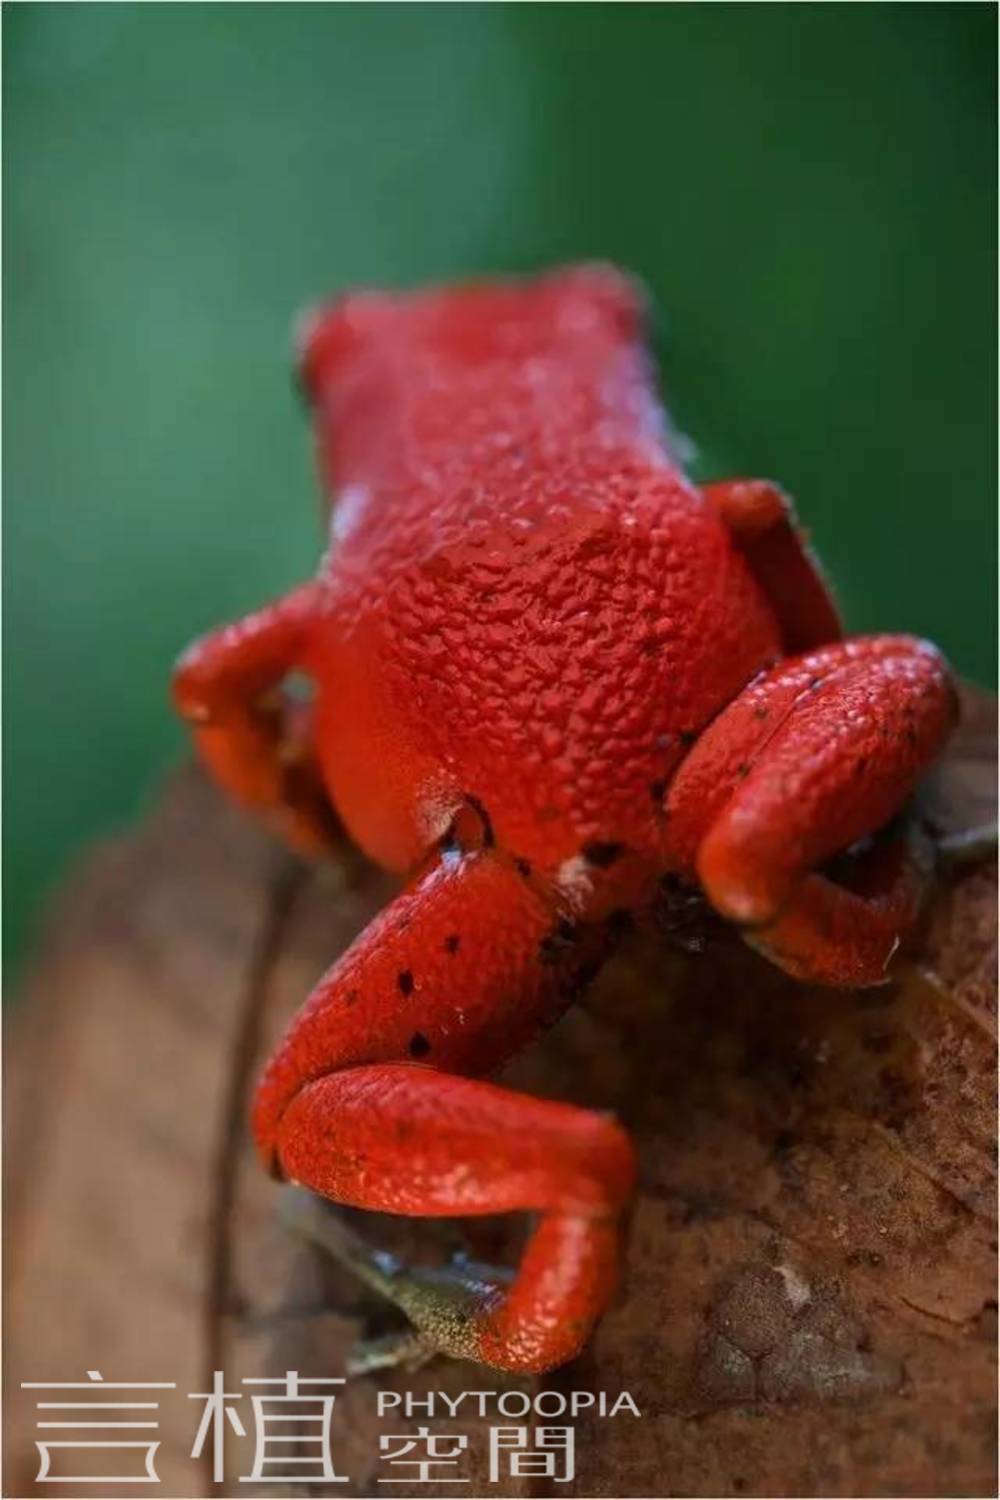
x=811 y=758
x=405 y=1139
x=257 y=740
x=364 y=1104
x=846 y=931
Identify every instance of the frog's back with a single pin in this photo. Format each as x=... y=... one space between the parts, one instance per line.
x=528 y=604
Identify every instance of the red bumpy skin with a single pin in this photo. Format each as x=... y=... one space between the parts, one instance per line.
x=547 y=671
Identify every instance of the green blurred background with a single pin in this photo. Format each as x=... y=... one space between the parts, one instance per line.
x=809 y=190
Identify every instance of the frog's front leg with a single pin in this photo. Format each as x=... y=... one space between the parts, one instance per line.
x=762 y=521
x=256 y=739
x=363 y=1103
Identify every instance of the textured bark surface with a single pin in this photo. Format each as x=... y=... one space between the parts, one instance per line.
x=809 y=1306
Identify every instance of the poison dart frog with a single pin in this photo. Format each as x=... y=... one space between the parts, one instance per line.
x=548 y=674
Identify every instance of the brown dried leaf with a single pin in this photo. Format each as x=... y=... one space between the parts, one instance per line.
x=809 y=1306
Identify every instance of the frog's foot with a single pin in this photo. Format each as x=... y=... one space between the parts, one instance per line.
x=444 y=1304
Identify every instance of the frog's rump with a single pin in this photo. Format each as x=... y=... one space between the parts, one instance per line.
x=563 y=662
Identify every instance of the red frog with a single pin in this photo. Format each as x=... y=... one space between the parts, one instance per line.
x=551 y=676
